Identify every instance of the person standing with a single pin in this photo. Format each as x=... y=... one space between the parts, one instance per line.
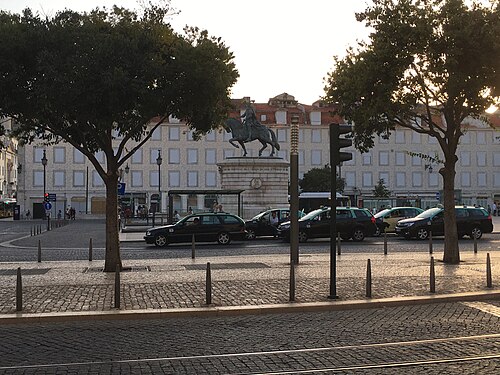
x=28 y=214
x=494 y=208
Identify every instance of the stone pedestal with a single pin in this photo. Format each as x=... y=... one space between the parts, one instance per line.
x=264 y=179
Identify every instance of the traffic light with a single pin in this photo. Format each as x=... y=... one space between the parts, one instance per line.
x=336 y=143
x=46 y=197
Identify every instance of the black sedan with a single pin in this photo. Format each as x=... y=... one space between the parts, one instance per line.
x=203 y=227
x=266 y=223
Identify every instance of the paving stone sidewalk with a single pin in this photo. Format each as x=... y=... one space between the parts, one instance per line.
x=81 y=286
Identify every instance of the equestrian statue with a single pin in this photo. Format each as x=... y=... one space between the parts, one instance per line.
x=250 y=130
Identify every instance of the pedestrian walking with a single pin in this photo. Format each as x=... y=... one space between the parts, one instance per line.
x=28 y=214
x=494 y=208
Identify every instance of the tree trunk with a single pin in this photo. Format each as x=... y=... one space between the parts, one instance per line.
x=451 y=250
x=112 y=256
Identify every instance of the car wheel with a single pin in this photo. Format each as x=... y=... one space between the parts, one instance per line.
x=378 y=232
x=344 y=236
x=422 y=234
x=302 y=236
x=160 y=240
x=223 y=238
x=358 y=235
x=476 y=233
x=250 y=234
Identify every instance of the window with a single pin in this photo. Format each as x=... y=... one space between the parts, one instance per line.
x=400 y=158
x=228 y=153
x=192 y=156
x=465 y=139
x=280 y=117
x=316 y=157
x=173 y=133
x=78 y=157
x=100 y=156
x=137 y=180
x=189 y=135
x=465 y=158
x=210 y=156
x=433 y=179
x=281 y=135
x=37 y=155
x=416 y=179
x=37 y=178
x=400 y=179
x=481 y=179
x=174 y=156
x=96 y=179
x=383 y=158
x=154 y=178
x=367 y=179
x=432 y=140
x=156 y=136
x=465 y=179
x=192 y=178
x=78 y=178
x=496 y=159
x=301 y=157
x=367 y=158
x=137 y=157
x=301 y=135
x=350 y=178
x=416 y=138
x=481 y=138
x=59 y=178
x=316 y=135
x=210 y=178
x=211 y=136
x=263 y=118
x=153 y=155
x=174 y=178
x=400 y=136
x=481 y=158
x=384 y=176
x=59 y=155
x=315 y=118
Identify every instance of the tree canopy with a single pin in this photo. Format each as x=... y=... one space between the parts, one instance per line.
x=319 y=179
x=97 y=79
x=428 y=66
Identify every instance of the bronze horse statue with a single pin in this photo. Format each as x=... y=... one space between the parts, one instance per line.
x=260 y=133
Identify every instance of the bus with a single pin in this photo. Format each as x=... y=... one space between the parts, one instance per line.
x=309 y=201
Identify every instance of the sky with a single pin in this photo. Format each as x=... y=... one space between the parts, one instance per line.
x=279 y=45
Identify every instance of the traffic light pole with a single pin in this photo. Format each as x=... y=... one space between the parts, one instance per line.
x=334 y=160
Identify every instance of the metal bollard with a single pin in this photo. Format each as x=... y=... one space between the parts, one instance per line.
x=430 y=242
x=39 y=251
x=292 y=282
x=193 y=250
x=433 y=277
x=489 y=281
x=31 y=232
x=475 y=244
x=208 y=293
x=19 y=291
x=339 y=249
x=117 y=287
x=369 y=279
x=385 y=242
x=90 y=250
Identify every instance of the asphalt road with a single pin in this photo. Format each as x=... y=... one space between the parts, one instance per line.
x=71 y=242
x=455 y=338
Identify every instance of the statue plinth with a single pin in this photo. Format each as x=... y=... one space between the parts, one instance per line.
x=264 y=179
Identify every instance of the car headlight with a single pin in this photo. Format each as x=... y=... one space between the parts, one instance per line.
x=148 y=233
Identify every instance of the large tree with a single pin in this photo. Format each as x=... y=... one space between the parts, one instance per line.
x=428 y=66
x=319 y=179
x=95 y=80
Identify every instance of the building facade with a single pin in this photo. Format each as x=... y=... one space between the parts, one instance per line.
x=190 y=164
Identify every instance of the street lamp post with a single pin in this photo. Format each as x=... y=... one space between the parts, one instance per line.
x=294 y=191
x=44 y=163
x=159 y=161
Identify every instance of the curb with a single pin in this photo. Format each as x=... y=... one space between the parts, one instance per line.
x=21 y=318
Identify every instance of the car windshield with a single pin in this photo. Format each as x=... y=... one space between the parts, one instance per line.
x=431 y=212
x=382 y=213
x=258 y=216
x=312 y=214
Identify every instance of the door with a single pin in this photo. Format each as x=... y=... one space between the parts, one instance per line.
x=319 y=226
x=345 y=223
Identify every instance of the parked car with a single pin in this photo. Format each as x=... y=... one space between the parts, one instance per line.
x=387 y=219
x=206 y=227
x=471 y=221
x=266 y=223
x=352 y=222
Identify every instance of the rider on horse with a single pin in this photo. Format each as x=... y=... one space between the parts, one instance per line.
x=250 y=120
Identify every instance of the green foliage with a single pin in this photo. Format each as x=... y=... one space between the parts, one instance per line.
x=380 y=190
x=319 y=179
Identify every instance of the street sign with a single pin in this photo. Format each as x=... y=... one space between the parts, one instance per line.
x=52 y=197
x=121 y=188
x=47 y=205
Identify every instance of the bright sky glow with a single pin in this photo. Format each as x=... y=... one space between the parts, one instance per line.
x=279 y=45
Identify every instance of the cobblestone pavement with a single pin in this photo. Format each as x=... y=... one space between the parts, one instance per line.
x=451 y=338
